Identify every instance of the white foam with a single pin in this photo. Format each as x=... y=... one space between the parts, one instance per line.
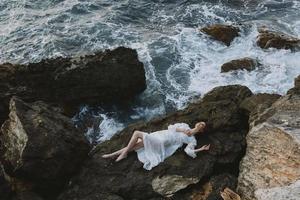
x=108 y=127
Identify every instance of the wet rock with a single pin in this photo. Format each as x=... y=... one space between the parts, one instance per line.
x=271 y=166
x=226 y=131
x=270 y=39
x=105 y=77
x=257 y=104
x=248 y=64
x=223 y=33
x=41 y=148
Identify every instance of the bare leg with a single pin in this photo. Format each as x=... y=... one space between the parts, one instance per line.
x=134 y=138
x=138 y=145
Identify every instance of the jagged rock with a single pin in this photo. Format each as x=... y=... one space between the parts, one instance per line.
x=296 y=89
x=105 y=77
x=211 y=189
x=272 y=161
x=257 y=104
x=41 y=148
x=223 y=33
x=248 y=64
x=270 y=39
x=127 y=179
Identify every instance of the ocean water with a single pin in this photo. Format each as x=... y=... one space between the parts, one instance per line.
x=181 y=63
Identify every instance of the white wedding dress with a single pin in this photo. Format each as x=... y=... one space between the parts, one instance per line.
x=161 y=144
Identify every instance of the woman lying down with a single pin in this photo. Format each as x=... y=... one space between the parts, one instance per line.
x=153 y=148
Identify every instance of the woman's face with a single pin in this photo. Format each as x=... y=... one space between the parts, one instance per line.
x=200 y=126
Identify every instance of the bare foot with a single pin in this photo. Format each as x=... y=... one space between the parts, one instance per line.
x=121 y=156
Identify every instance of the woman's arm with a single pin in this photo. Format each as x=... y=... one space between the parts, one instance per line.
x=181 y=130
x=203 y=148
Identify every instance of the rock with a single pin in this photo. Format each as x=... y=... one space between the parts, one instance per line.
x=248 y=64
x=105 y=77
x=223 y=33
x=127 y=179
x=211 y=189
x=5 y=189
x=257 y=104
x=41 y=148
x=271 y=166
x=270 y=39
x=296 y=89
x=170 y=184
x=286 y=192
x=25 y=195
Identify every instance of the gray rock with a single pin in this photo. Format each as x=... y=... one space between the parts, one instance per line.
x=271 y=166
x=41 y=148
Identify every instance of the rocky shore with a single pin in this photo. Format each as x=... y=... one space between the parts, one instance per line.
x=254 y=137
x=104 y=77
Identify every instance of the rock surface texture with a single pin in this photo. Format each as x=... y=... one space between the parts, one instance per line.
x=223 y=33
x=227 y=125
x=271 y=166
x=257 y=104
x=109 y=76
x=270 y=39
x=5 y=190
x=41 y=148
x=248 y=64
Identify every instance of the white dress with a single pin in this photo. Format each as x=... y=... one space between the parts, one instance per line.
x=161 y=144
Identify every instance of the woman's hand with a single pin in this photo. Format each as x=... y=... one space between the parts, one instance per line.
x=188 y=132
x=203 y=148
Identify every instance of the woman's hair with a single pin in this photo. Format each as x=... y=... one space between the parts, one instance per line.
x=201 y=123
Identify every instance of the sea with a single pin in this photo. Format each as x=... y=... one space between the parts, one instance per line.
x=181 y=63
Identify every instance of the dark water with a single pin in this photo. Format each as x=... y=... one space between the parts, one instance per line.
x=181 y=63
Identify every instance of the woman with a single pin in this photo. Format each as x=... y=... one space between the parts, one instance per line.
x=154 y=147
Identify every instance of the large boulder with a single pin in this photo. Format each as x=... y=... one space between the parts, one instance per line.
x=227 y=125
x=271 y=166
x=223 y=33
x=271 y=39
x=105 y=77
x=257 y=104
x=41 y=148
x=248 y=64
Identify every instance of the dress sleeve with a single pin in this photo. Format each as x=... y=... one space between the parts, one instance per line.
x=189 y=149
